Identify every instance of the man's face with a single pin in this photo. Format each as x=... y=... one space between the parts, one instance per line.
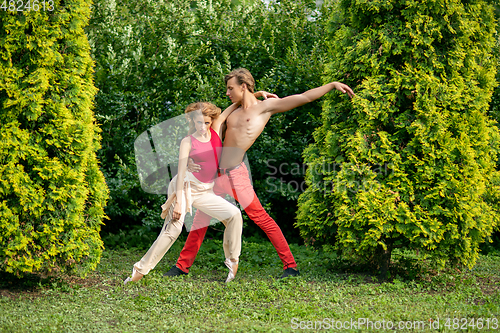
x=234 y=90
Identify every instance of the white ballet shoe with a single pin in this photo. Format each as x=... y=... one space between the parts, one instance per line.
x=233 y=267
x=136 y=276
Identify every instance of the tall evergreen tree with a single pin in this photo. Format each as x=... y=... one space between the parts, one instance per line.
x=410 y=162
x=52 y=193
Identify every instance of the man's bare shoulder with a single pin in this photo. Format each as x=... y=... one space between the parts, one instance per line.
x=268 y=105
x=260 y=106
x=255 y=108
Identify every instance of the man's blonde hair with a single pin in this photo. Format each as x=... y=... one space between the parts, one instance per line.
x=242 y=75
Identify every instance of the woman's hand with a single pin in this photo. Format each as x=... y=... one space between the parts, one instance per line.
x=177 y=211
x=265 y=94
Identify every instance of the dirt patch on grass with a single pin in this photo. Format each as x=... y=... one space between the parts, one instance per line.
x=19 y=294
x=489 y=285
x=33 y=285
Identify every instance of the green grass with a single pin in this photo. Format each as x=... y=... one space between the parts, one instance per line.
x=256 y=301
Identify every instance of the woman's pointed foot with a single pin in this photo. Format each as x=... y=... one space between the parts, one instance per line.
x=136 y=276
x=233 y=268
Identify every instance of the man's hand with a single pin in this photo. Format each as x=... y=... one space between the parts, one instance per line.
x=193 y=167
x=265 y=94
x=344 y=88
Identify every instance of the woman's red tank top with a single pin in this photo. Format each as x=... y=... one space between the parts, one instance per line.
x=203 y=154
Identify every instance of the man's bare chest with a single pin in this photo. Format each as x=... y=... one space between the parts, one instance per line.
x=245 y=123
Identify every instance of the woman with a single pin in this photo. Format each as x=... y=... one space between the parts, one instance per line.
x=188 y=189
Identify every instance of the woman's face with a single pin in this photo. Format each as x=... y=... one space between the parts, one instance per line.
x=202 y=124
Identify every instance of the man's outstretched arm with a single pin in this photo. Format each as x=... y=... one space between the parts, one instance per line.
x=293 y=101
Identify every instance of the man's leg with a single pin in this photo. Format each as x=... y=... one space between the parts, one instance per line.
x=246 y=196
x=193 y=241
x=258 y=214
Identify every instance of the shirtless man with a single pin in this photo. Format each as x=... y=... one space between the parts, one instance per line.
x=244 y=126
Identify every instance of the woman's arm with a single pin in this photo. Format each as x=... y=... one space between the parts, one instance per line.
x=265 y=94
x=216 y=124
x=184 y=151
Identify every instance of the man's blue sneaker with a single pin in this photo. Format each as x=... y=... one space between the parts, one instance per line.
x=175 y=271
x=290 y=271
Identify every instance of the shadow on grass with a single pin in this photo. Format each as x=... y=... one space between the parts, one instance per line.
x=34 y=285
x=13 y=286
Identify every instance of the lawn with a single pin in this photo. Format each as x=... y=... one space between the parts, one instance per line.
x=327 y=296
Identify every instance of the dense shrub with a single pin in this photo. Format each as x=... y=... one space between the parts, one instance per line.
x=410 y=162
x=52 y=194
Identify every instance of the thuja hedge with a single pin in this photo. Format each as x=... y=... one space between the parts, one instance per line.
x=52 y=193
x=410 y=161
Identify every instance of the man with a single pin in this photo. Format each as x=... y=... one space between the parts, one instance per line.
x=244 y=126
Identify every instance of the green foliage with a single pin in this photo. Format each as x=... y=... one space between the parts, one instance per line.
x=155 y=57
x=52 y=194
x=410 y=161
x=138 y=236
